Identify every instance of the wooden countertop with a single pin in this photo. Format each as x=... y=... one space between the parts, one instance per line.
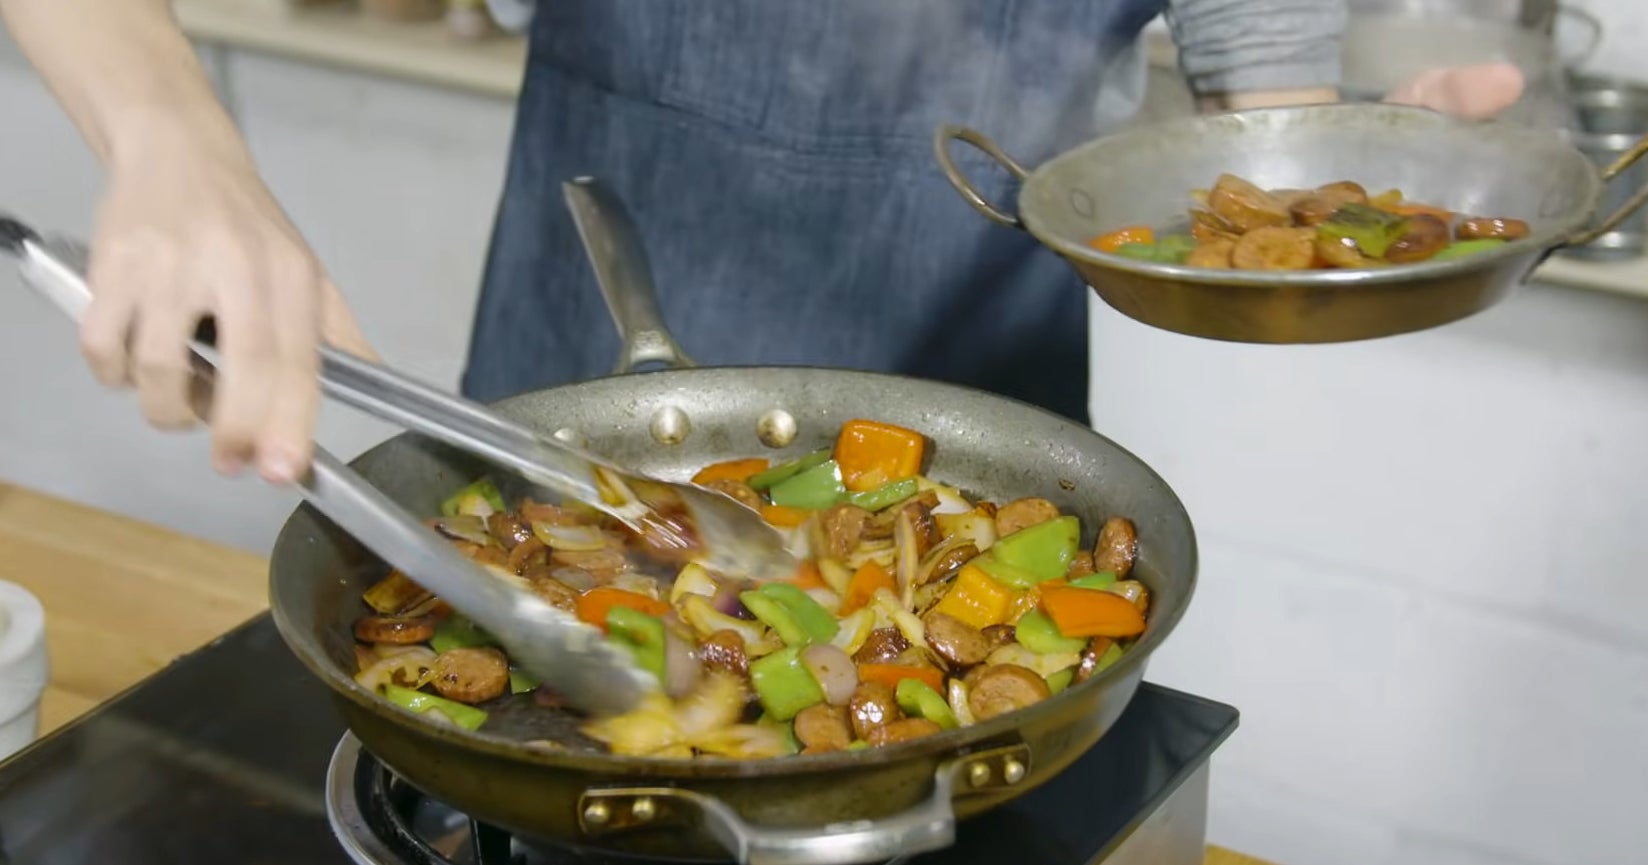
x=125 y=598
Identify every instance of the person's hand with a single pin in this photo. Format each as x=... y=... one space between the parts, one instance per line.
x=1471 y=92
x=187 y=230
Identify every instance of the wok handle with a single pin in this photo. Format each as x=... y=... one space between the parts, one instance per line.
x=941 y=149
x=929 y=825
x=1612 y=221
x=622 y=270
x=1591 y=23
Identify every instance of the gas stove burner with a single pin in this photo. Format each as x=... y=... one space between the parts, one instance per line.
x=382 y=820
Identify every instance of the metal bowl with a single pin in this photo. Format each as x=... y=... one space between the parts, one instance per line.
x=1144 y=175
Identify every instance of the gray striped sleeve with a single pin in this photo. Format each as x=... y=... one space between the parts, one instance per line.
x=1240 y=45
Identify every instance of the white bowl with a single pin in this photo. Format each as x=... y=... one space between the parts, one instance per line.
x=23 y=667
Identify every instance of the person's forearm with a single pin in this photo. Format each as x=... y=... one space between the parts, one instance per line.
x=123 y=72
x=1240 y=100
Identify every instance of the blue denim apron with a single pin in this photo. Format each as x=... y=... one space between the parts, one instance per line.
x=777 y=158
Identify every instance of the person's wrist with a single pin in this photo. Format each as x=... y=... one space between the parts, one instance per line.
x=142 y=134
x=1243 y=100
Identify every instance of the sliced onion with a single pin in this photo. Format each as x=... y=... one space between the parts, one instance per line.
x=1134 y=591
x=692 y=580
x=827 y=599
x=572 y=539
x=412 y=668
x=726 y=601
x=958 y=703
x=950 y=499
x=906 y=621
x=576 y=579
x=1043 y=665
x=972 y=526
x=833 y=670
x=681 y=669
x=879 y=551
x=716 y=702
x=706 y=620
x=835 y=575
x=854 y=630
x=640 y=584
x=908 y=557
x=464 y=527
x=745 y=742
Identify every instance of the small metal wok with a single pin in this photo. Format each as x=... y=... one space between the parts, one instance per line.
x=1145 y=175
x=851 y=806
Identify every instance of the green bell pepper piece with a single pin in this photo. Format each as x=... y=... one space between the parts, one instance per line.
x=466 y=500
x=1101 y=580
x=457 y=632
x=814 y=489
x=796 y=617
x=1011 y=576
x=1373 y=230
x=521 y=683
x=884 y=496
x=1037 y=632
x=857 y=745
x=1111 y=654
x=785 y=471
x=1061 y=679
x=785 y=728
x=467 y=717
x=819 y=625
x=1044 y=549
x=783 y=684
x=1468 y=247
x=918 y=698
x=1170 y=249
x=641 y=634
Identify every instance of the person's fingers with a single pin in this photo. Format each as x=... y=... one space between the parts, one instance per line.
x=249 y=367
x=160 y=360
x=339 y=327
x=1472 y=92
x=284 y=444
x=119 y=275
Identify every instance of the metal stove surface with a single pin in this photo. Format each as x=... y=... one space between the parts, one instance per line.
x=223 y=757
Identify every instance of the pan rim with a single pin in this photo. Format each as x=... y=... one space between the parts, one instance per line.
x=985 y=734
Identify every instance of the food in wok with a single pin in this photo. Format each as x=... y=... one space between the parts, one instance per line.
x=918 y=609
x=1239 y=225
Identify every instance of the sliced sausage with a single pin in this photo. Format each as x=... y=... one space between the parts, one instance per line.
x=530 y=553
x=1002 y=688
x=1213 y=254
x=741 y=492
x=843 y=527
x=604 y=565
x=1244 y=205
x=1089 y=665
x=881 y=647
x=902 y=731
x=920 y=508
x=724 y=651
x=508 y=529
x=554 y=592
x=395 y=631
x=1423 y=236
x=873 y=706
x=959 y=644
x=946 y=564
x=823 y=728
x=471 y=675
x=986 y=508
x=1116 y=547
x=1275 y=248
x=1023 y=513
x=1482 y=227
x=999 y=635
x=1080 y=566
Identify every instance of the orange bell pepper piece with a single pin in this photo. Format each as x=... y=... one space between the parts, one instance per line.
x=869 y=577
x=976 y=598
x=1411 y=208
x=1121 y=237
x=783 y=516
x=808 y=577
x=594 y=604
x=891 y=674
x=1091 y=613
x=871 y=454
x=731 y=470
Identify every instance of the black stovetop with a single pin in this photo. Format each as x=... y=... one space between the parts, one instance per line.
x=222 y=757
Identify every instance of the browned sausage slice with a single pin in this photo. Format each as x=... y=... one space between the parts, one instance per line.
x=508 y=529
x=1002 y=688
x=843 y=527
x=902 y=731
x=1482 y=227
x=873 y=706
x=960 y=645
x=396 y=631
x=1116 y=547
x=724 y=651
x=882 y=646
x=1023 y=513
x=554 y=592
x=471 y=675
x=823 y=728
x=741 y=492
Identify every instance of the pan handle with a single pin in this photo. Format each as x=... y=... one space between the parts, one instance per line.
x=614 y=247
x=941 y=149
x=929 y=825
x=1609 y=223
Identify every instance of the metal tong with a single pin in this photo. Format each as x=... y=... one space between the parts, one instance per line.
x=571 y=657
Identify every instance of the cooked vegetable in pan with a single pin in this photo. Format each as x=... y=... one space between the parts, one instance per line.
x=917 y=610
x=1239 y=225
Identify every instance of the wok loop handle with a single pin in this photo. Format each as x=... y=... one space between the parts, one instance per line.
x=941 y=149
x=929 y=825
x=1593 y=39
x=1612 y=220
x=623 y=272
